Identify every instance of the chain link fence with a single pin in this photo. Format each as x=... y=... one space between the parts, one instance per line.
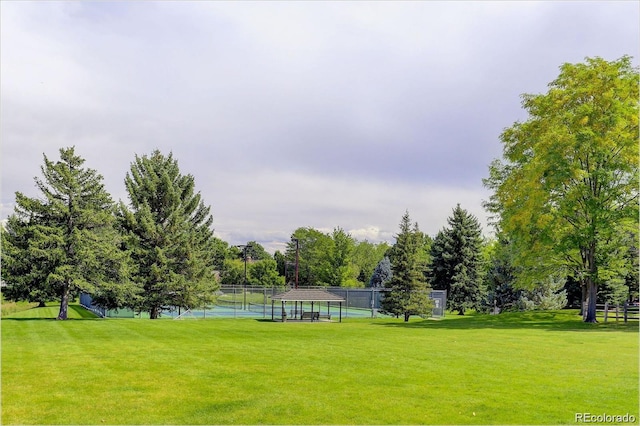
x=255 y=302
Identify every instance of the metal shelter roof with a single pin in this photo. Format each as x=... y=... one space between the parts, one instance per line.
x=307 y=295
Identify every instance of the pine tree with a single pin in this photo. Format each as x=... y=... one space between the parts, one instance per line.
x=499 y=279
x=547 y=295
x=24 y=267
x=456 y=261
x=67 y=236
x=381 y=274
x=408 y=291
x=168 y=229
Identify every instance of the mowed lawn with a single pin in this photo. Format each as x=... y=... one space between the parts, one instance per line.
x=532 y=368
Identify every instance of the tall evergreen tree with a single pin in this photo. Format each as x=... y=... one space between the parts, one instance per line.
x=169 y=230
x=408 y=291
x=67 y=235
x=456 y=261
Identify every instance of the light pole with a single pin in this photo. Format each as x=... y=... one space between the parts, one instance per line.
x=243 y=247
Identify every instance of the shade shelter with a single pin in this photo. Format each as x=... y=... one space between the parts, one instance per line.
x=300 y=296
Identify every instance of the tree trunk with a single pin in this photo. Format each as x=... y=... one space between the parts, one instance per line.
x=64 y=303
x=406 y=316
x=589 y=314
x=42 y=304
x=153 y=314
x=590 y=285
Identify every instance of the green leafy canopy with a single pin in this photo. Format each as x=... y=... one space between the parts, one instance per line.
x=567 y=185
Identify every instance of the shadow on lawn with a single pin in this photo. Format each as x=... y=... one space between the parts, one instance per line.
x=549 y=320
x=75 y=313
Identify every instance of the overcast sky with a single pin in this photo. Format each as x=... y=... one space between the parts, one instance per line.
x=319 y=114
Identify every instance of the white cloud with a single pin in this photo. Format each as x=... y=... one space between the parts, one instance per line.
x=276 y=203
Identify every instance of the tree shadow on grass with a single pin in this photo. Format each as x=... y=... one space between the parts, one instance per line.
x=27 y=319
x=541 y=320
x=75 y=313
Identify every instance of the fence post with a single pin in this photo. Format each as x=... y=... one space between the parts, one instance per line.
x=617 y=312
x=347 y=298
x=626 y=304
x=606 y=311
x=373 y=303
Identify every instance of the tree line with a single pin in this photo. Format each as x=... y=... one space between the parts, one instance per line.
x=564 y=203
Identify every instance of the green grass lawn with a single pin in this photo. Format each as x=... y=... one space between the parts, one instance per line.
x=531 y=368
x=10 y=308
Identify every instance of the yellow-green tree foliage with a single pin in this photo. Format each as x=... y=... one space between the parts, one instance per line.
x=567 y=186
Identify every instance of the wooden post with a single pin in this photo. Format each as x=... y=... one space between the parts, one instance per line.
x=606 y=311
x=626 y=304
x=617 y=312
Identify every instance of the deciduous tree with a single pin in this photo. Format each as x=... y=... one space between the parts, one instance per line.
x=264 y=273
x=366 y=256
x=314 y=266
x=568 y=181
x=339 y=258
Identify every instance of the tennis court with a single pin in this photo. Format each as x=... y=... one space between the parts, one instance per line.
x=256 y=302
x=254 y=310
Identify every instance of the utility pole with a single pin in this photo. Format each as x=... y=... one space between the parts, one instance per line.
x=244 y=284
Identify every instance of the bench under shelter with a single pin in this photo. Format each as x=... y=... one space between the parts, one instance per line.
x=316 y=297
